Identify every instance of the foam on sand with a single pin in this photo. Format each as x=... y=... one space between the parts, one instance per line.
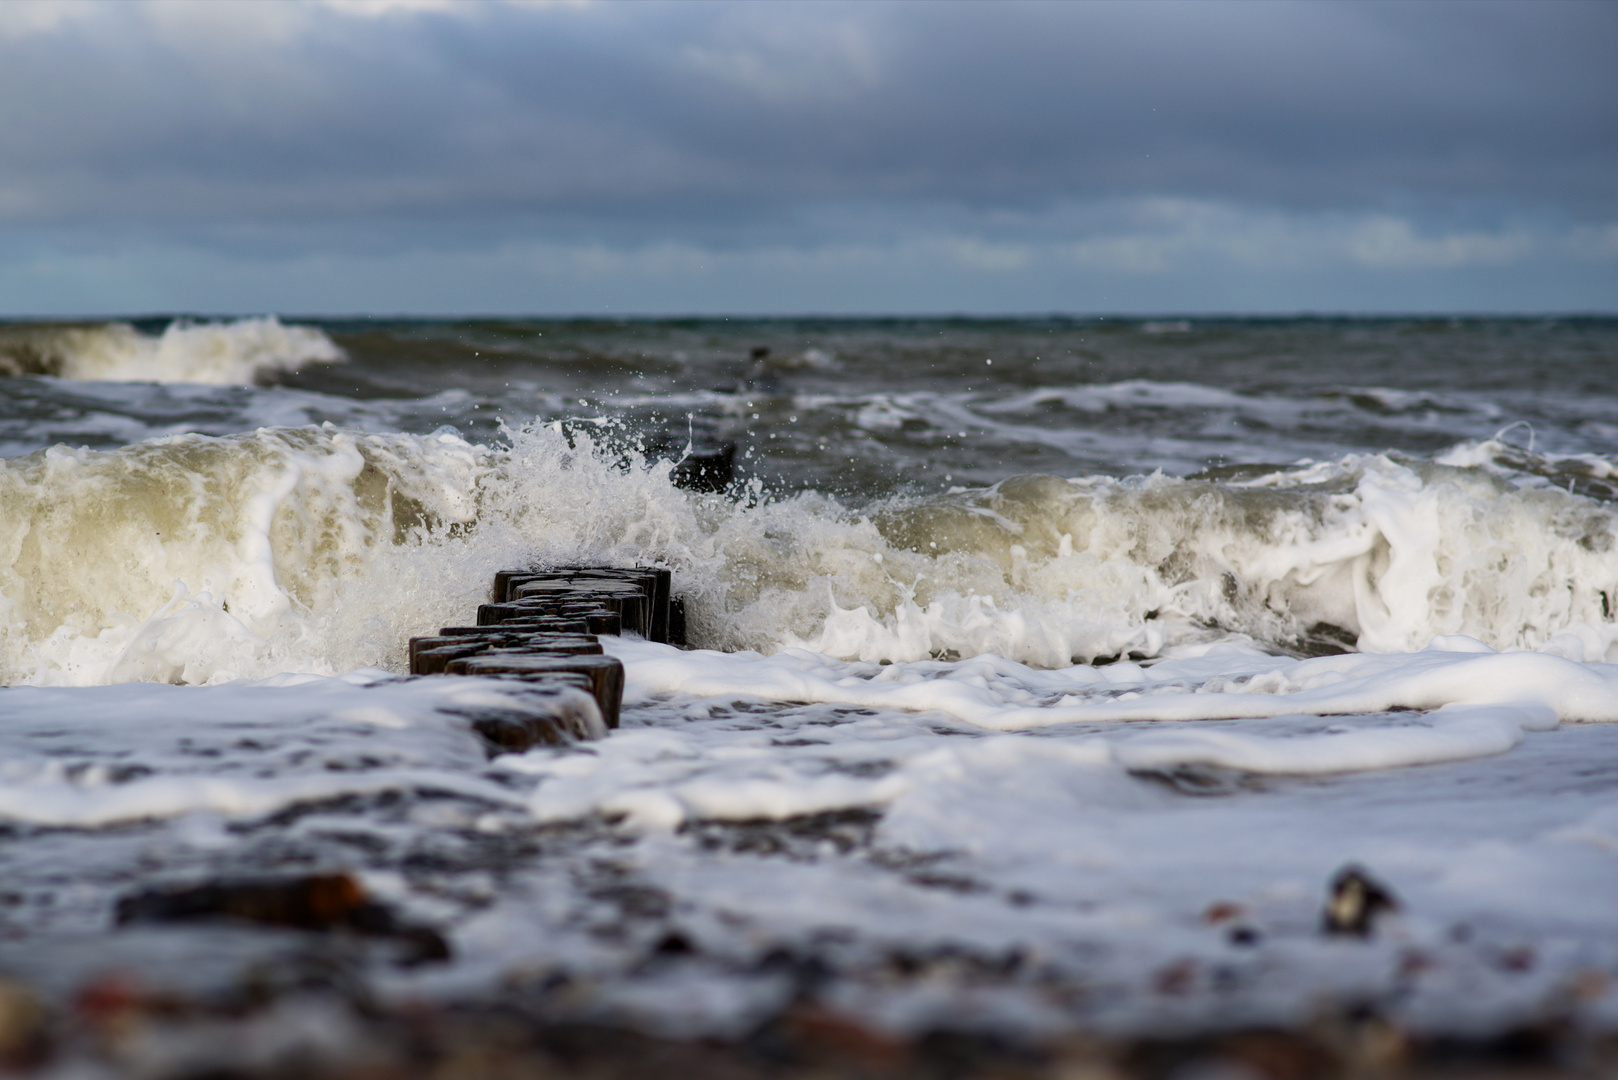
x=308 y=740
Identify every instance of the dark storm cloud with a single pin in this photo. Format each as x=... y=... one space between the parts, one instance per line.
x=438 y=156
x=747 y=123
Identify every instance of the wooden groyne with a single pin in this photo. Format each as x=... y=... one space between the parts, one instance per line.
x=544 y=626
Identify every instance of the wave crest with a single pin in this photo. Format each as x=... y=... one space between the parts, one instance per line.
x=198 y=559
x=237 y=353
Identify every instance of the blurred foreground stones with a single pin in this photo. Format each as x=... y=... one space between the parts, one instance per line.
x=115 y=1028
x=321 y=903
x=315 y=996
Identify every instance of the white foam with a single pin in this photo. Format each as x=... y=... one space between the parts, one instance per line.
x=1178 y=426
x=202 y=559
x=1389 y=554
x=1477 y=703
x=1069 y=851
x=660 y=779
x=1134 y=393
x=224 y=353
x=1449 y=733
x=197 y=559
x=313 y=740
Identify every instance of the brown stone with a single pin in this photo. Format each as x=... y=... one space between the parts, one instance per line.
x=1354 y=902
x=22 y=1026
x=315 y=902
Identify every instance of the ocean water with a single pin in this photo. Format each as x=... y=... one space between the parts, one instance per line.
x=1044 y=671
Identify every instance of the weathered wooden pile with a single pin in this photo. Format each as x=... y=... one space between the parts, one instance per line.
x=544 y=626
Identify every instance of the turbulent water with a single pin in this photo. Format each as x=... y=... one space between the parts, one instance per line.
x=1030 y=639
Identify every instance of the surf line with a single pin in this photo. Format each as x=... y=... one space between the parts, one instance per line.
x=543 y=626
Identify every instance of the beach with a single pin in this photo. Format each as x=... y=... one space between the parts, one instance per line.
x=1044 y=677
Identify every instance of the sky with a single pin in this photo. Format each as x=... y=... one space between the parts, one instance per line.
x=437 y=157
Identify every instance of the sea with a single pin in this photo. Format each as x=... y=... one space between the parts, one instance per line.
x=1044 y=675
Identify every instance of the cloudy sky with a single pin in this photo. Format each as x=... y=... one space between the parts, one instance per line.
x=412 y=156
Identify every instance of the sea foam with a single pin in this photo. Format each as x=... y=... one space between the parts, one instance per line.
x=240 y=352
x=200 y=559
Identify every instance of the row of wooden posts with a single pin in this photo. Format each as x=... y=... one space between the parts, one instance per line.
x=544 y=627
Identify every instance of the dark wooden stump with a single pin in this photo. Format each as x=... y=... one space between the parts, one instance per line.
x=606 y=673
x=542 y=625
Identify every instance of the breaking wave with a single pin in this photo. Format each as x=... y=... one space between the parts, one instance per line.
x=197 y=559
x=241 y=352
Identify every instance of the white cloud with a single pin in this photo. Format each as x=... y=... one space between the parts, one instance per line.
x=993 y=258
x=786 y=54
x=26 y=18
x=381 y=8
x=1160 y=235
x=374 y=8
x=1392 y=243
x=266 y=21
x=1598 y=242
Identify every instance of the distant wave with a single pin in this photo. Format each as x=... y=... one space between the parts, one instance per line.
x=237 y=353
